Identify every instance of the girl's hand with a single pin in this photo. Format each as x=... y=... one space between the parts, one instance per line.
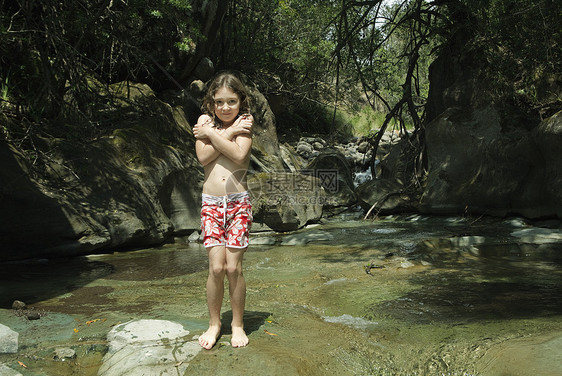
x=202 y=128
x=242 y=125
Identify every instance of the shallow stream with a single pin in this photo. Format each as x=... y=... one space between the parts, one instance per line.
x=400 y=296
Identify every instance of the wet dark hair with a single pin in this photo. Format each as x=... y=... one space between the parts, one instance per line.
x=230 y=81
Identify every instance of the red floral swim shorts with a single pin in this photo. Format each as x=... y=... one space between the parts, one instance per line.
x=226 y=220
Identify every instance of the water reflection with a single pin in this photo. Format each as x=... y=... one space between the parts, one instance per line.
x=32 y=281
x=37 y=280
x=170 y=260
x=454 y=299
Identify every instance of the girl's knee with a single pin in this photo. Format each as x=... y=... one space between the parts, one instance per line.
x=217 y=271
x=234 y=270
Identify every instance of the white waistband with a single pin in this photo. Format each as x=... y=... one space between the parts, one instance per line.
x=228 y=198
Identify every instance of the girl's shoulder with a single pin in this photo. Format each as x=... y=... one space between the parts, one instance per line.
x=205 y=119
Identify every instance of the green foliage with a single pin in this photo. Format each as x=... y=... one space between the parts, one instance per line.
x=388 y=50
x=4 y=88
x=288 y=38
x=56 y=56
x=518 y=42
x=308 y=117
x=184 y=5
x=366 y=122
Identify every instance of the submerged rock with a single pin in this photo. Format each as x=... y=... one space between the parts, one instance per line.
x=351 y=321
x=263 y=240
x=63 y=353
x=303 y=238
x=32 y=315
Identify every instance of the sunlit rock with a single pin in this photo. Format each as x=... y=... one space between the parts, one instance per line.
x=302 y=238
x=286 y=201
x=8 y=340
x=538 y=235
x=148 y=347
x=7 y=371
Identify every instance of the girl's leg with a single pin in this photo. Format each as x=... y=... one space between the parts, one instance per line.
x=215 y=294
x=237 y=290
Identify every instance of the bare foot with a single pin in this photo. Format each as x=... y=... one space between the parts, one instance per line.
x=208 y=339
x=239 y=337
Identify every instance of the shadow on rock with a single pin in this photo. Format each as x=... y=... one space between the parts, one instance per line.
x=253 y=320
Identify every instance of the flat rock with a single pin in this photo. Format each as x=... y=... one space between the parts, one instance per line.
x=7 y=371
x=148 y=347
x=467 y=241
x=306 y=237
x=263 y=240
x=538 y=235
x=8 y=340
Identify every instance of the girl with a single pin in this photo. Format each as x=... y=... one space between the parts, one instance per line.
x=223 y=144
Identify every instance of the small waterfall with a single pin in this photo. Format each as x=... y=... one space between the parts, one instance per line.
x=363 y=176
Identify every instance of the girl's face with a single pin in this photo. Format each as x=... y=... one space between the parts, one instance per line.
x=227 y=105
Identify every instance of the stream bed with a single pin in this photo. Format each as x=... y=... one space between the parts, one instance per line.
x=402 y=295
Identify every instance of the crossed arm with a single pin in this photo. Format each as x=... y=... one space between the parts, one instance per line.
x=210 y=143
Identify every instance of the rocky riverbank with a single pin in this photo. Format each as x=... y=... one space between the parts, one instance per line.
x=139 y=183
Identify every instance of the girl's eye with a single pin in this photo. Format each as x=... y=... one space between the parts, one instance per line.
x=230 y=102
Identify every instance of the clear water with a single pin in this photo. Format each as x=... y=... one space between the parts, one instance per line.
x=445 y=296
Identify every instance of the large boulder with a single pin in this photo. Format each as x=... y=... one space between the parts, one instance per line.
x=266 y=154
x=286 y=201
x=131 y=187
x=547 y=138
x=489 y=148
x=384 y=196
x=475 y=166
x=335 y=175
